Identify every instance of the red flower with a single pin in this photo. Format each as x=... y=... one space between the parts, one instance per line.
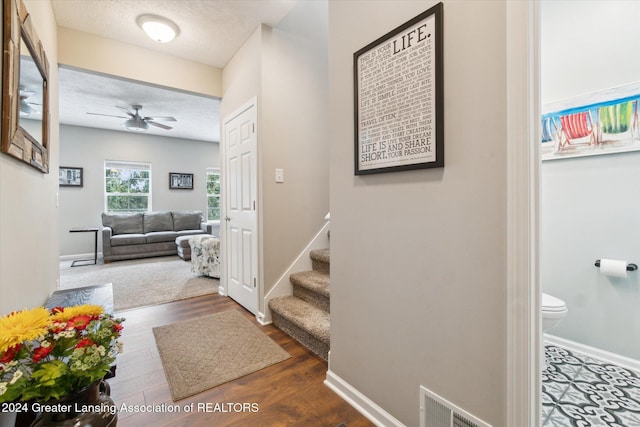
x=40 y=353
x=10 y=354
x=117 y=327
x=79 y=322
x=55 y=310
x=85 y=343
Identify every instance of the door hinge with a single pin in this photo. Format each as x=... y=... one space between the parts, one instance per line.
x=253 y=127
x=254 y=205
x=254 y=282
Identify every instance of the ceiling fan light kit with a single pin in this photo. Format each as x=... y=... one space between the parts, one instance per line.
x=136 y=125
x=159 y=29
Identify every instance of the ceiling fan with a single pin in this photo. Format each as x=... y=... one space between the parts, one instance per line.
x=138 y=123
x=26 y=108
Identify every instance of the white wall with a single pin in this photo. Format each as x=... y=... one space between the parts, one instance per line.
x=89 y=148
x=418 y=259
x=286 y=69
x=589 y=205
x=587 y=46
x=28 y=213
x=242 y=76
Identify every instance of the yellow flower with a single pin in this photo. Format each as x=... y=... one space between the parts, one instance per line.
x=78 y=310
x=25 y=325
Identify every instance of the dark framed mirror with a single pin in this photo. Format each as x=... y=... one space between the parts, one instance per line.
x=25 y=96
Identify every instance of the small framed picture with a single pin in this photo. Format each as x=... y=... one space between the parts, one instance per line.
x=70 y=176
x=180 y=181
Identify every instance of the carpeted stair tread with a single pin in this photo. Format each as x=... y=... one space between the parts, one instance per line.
x=313 y=281
x=322 y=255
x=320 y=260
x=306 y=316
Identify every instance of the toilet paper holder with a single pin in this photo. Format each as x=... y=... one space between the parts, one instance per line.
x=630 y=267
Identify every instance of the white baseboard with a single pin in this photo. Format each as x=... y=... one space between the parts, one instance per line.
x=221 y=290
x=79 y=256
x=360 y=402
x=260 y=317
x=596 y=353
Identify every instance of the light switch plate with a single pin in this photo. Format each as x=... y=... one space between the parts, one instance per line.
x=279 y=175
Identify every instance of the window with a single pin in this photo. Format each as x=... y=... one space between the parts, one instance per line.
x=127 y=187
x=213 y=194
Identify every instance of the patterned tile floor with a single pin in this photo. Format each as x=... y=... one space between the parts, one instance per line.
x=581 y=391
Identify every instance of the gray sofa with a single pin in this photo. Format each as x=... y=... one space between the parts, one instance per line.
x=148 y=234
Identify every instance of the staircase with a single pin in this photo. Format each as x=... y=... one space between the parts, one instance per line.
x=305 y=314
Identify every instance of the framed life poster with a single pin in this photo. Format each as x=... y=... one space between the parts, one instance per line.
x=398 y=84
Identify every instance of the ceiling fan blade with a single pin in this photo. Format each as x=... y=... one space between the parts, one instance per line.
x=126 y=110
x=166 y=119
x=24 y=106
x=108 y=115
x=160 y=125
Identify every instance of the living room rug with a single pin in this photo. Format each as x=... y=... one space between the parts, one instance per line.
x=203 y=353
x=141 y=282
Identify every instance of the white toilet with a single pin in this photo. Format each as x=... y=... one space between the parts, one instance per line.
x=553 y=311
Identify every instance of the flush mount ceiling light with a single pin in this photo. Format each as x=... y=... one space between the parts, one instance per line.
x=159 y=29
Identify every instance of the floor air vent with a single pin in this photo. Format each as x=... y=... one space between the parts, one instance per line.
x=437 y=412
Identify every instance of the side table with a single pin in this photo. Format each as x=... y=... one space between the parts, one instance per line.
x=96 y=295
x=87 y=261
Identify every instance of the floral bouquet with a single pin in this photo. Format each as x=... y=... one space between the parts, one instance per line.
x=48 y=354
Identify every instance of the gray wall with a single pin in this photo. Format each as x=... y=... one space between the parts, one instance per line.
x=590 y=206
x=89 y=148
x=294 y=135
x=591 y=210
x=418 y=259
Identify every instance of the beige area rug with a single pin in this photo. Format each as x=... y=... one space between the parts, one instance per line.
x=141 y=282
x=203 y=353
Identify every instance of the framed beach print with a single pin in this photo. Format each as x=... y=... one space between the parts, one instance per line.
x=600 y=122
x=70 y=176
x=398 y=99
x=180 y=181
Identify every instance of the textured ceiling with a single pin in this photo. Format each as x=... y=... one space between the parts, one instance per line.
x=211 y=31
x=197 y=117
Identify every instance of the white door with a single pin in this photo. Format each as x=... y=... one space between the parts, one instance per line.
x=241 y=233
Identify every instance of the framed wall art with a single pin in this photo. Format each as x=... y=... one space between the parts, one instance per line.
x=398 y=84
x=601 y=122
x=180 y=181
x=70 y=176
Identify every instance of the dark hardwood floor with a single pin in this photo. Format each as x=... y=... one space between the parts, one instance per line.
x=290 y=393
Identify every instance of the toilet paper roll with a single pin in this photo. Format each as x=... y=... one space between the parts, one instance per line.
x=613 y=267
